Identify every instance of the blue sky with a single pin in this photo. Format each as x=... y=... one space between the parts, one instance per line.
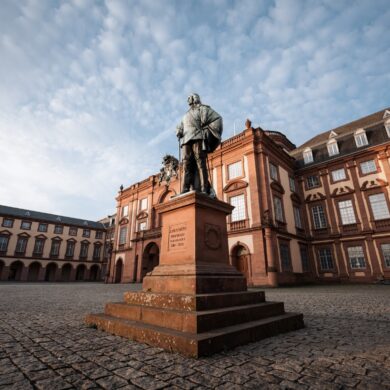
x=91 y=91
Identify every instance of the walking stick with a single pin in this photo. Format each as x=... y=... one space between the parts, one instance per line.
x=180 y=168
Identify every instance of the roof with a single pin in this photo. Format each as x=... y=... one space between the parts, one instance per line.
x=342 y=130
x=30 y=214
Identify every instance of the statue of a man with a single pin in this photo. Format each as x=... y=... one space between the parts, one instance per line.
x=199 y=133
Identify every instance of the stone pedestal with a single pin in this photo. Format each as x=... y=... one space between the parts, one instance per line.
x=194 y=302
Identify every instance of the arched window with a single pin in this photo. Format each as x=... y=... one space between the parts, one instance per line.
x=360 y=138
x=308 y=156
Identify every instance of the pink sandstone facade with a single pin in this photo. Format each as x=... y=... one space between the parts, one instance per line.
x=317 y=213
x=38 y=247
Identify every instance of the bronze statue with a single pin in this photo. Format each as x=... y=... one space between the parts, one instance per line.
x=199 y=133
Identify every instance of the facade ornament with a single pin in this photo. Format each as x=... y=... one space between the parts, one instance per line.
x=169 y=169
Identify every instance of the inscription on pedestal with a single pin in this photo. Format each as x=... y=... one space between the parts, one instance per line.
x=177 y=237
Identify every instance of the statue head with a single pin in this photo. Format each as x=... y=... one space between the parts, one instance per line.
x=193 y=99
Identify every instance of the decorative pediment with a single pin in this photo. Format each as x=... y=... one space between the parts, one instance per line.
x=295 y=197
x=57 y=238
x=124 y=221
x=5 y=233
x=386 y=114
x=24 y=234
x=277 y=187
x=315 y=197
x=235 y=185
x=41 y=236
x=339 y=191
x=142 y=215
x=332 y=134
x=85 y=242
x=71 y=240
x=371 y=184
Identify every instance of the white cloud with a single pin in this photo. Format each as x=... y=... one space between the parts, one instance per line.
x=89 y=89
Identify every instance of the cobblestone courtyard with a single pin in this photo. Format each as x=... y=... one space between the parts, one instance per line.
x=45 y=345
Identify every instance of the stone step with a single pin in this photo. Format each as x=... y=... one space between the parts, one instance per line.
x=196 y=321
x=194 y=302
x=201 y=344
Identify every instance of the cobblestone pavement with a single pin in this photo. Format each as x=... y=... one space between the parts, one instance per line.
x=45 y=345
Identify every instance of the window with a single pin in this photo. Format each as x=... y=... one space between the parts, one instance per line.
x=318 y=217
x=112 y=222
x=142 y=226
x=356 y=257
x=70 y=245
x=333 y=148
x=285 y=257
x=38 y=247
x=73 y=231
x=55 y=248
x=58 y=229
x=143 y=204
x=99 y=234
x=278 y=209
x=360 y=138
x=122 y=235
x=4 y=243
x=292 y=184
x=86 y=233
x=379 y=206
x=8 y=222
x=273 y=171
x=42 y=227
x=387 y=127
x=338 y=174
x=347 y=212
x=304 y=259
x=308 y=156
x=385 y=252
x=96 y=251
x=297 y=217
x=368 y=167
x=125 y=211
x=84 y=250
x=312 y=181
x=325 y=256
x=26 y=225
x=21 y=245
x=238 y=213
x=235 y=170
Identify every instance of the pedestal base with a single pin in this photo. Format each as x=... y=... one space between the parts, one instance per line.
x=195 y=302
x=195 y=325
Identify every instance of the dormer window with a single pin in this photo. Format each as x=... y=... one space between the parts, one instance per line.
x=387 y=127
x=333 y=148
x=360 y=138
x=308 y=156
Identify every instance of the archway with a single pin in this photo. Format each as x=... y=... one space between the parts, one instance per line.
x=50 y=273
x=118 y=271
x=240 y=259
x=80 y=272
x=33 y=271
x=15 y=271
x=94 y=273
x=150 y=258
x=1 y=269
x=66 y=272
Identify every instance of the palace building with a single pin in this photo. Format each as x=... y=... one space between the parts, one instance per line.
x=316 y=213
x=37 y=246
